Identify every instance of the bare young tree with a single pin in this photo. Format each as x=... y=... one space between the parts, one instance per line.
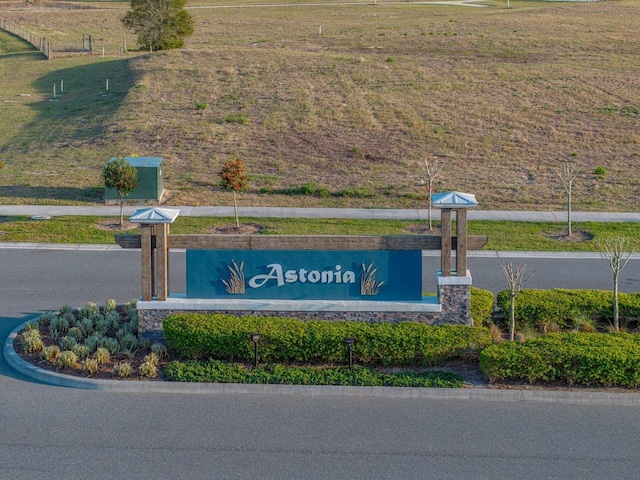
x=568 y=173
x=431 y=171
x=617 y=252
x=516 y=280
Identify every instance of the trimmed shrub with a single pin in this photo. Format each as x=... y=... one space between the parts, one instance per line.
x=482 y=305
x=537 y=309
x=289 y=340
x=573 y=358
x=221 y=372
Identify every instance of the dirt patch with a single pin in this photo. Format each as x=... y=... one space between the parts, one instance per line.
x=113 y=225
x=232 y=229
x=577 y=236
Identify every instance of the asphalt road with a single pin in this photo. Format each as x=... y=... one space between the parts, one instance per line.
x=62 y=433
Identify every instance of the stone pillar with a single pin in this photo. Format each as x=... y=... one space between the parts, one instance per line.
x=454 y=295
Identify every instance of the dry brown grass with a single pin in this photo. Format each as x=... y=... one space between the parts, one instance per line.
x=502 y=96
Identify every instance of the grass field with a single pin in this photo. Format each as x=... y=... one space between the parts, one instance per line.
x=501 y=96
x=503 y=236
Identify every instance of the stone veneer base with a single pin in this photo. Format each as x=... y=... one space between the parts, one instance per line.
x=452 y=306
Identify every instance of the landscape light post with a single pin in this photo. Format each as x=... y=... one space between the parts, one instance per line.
x=255 y=338
x=349 y=341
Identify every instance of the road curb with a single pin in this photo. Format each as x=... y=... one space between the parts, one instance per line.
x=154 y=386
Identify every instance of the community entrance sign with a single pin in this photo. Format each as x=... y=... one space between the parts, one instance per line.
x=305 y=274
x=330 y=277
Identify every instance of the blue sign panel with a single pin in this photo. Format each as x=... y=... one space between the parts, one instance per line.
x=305 y=275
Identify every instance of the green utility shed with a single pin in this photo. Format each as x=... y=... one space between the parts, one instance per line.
x=150 y=183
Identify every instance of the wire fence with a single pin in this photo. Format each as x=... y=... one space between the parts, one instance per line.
x=86 y=47
x=39 y=43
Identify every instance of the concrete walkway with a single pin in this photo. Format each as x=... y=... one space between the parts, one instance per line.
x=284 y=212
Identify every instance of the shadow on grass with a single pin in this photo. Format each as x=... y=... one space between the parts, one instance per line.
x=84 y=107
x=89 y=195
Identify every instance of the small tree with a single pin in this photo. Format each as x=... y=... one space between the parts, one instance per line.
x=431 y=170
x=568 y=174
x=163 y=24
x=122 y=177
x=234 y=178
x=516 y=280
x=617 y=252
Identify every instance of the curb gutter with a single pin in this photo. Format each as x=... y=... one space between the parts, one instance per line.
x=153 y=386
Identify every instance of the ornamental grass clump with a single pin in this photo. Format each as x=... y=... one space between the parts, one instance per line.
x=111 y=344
x=129 y=343
x=81 y=351
x=93 y=342
x=66 y=359
x=68 y=343
x=90 y=366
x=102 y=356
x=148 y=369
x=58 y=326
x=75 y=333
x=87 y=326
x=44 y=320
x=102 y=327
x=110 y=306
x=123 y=369
x=31 y=341
x=160 y=350
x=112 y=318
x=152 y=358
x=49 y=354
x=89 y=309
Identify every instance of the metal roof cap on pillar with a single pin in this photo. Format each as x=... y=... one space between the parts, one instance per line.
x=454 y=200
x=154 y=215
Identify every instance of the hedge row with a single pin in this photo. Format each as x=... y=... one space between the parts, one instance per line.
x=482 y=305
x=573 y=358
x=286 y=340
x=222 y=372
x=538 y=308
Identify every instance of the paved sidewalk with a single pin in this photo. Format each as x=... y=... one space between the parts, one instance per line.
x=283 y=212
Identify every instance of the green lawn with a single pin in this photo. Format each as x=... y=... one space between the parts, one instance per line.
x=503 y=235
